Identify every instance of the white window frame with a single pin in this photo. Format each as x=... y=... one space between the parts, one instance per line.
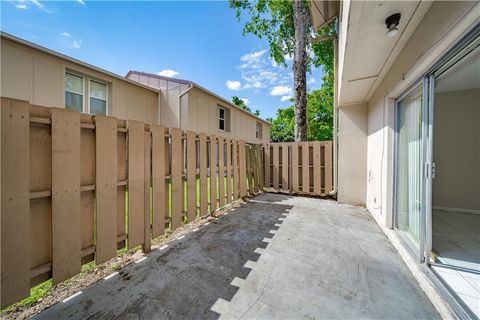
x=258 y=130
x=86 y=91
x=106 y=95
x=220 y=118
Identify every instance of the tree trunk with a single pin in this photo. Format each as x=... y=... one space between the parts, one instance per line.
x=300 y=21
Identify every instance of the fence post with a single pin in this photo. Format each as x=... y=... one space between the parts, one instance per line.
x=176 y=178
x=191 y=176
x=159 y=183
x=202 y=145
x=243 y=169
x=213 y=173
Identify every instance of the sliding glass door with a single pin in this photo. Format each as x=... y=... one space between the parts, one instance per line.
x=410 y=159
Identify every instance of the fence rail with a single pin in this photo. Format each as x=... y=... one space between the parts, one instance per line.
x=299 y=167
x=76 y=188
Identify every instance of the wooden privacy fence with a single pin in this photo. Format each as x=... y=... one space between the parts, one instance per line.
x=76 y=188
x=299 y=167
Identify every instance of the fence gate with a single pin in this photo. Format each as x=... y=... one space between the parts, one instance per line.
x=299 y=167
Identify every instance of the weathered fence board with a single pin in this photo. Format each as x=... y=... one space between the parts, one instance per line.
x=146 y=246
x=317 y=172
x=191 y=176
x=236 y=182
x=202 y=143
x=160 y=184
x=243 y=169
x=221 y=172
x=15 y=217
x=136 y=186
x=213 y=173
x=177 y=179
x=228 y=148
x=285 y=166
x=66 y=245
x=106 y=188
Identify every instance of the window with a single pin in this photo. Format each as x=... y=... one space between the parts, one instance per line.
x=73 y=92
x=96 y=94
x=98 y=98
x=258 y=130
x=221 y=118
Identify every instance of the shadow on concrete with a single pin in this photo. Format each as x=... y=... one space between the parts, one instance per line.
x=189 y=276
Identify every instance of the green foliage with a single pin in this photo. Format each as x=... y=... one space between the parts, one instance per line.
x=270 y=19
x=240 y=103
x=273 y=20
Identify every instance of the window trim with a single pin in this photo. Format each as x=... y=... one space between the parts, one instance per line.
x=86 y=79
x=258 y=130
x=89 y=96
x=83 y=94
x=220 y=118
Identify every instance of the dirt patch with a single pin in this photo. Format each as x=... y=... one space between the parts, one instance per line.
x=85 y=279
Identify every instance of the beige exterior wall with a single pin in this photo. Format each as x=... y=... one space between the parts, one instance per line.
x=192 y=108
x=352 y=154
x=203 y=117
x=38 y=77
x=456 y=150
x=430 y=41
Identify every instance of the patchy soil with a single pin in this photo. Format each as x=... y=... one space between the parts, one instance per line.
x=85 y=279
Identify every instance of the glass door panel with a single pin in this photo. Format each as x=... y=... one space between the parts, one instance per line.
x=409 y=178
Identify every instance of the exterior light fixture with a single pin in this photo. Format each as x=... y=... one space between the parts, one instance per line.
x=392 y=22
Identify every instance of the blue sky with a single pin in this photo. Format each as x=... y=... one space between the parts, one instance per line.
x=199 y=41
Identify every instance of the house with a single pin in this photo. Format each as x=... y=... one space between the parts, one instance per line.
x=407 y=113
x=192 y=107
x=47 y=78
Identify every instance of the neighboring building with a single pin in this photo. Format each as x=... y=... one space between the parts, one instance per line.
x=408 y=118
x=47 y=78
x=189 y=106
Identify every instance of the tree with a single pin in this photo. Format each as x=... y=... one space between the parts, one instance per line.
x=286 y=26
x=257 y=112
x=240 y=103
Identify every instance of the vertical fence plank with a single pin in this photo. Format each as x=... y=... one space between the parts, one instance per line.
x=243 y=169
x=228 y=149
x=276 y=165
x=158 y=180
x=295 y=171
x=256 y=178
x=66 y=239
x=15 y=188
x=121 y=183
x=106 y=188
x=305 y=168
x=221 y=172
x=213 y=173
x=147 y=229
x=249 y=169
x=266 y=164
x=328 y=166
x=285 y=166
x=177 y=179
x=191 y=177
x=202 y=144
x=136 y=163
x=261 y=169
x=317 y=169
x=236 y=182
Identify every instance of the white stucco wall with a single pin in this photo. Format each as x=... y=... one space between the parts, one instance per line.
x=430 y=41
x=352 y=154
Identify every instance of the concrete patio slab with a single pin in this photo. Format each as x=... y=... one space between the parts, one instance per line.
x=275 y=257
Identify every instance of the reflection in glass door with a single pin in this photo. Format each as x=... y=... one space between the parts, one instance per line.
x=409 y=165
